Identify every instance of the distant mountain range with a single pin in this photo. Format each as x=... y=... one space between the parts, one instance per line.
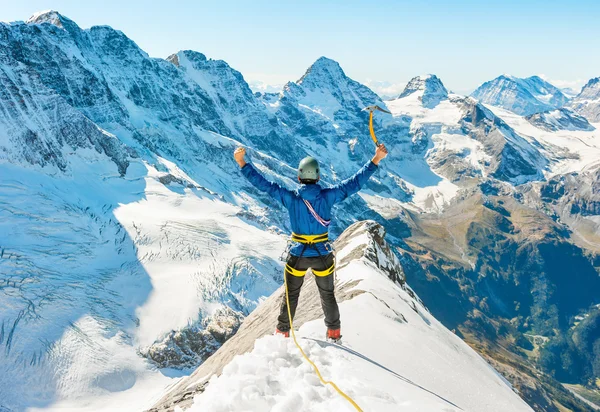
x=127 y=229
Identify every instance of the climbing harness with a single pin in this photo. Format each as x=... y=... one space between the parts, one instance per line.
x=310 y=239
x=371 y=109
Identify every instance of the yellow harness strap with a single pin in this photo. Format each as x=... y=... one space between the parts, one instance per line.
x=300 y=273
x=310 y=239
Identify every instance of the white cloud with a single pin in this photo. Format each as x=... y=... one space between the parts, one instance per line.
x=260 y=86
x=571 y=85
x=270 y=83
x=385 y=88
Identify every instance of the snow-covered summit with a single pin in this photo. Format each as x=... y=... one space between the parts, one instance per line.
x=326 y=76
x=591 y=90
x=325 y=107
x=322 y=70
x=523 y=96
x=587 y=103
x=52 y=17
x=429 y=89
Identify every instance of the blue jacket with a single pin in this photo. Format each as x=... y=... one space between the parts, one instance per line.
x=322 y=200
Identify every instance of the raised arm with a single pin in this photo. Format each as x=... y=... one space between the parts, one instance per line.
x=351 y=186
x=277 y=192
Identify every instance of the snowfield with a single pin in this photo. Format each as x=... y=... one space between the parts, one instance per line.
x=113 y=264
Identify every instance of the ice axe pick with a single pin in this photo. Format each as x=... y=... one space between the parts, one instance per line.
x=371 y=109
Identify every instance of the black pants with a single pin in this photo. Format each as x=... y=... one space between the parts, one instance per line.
x=325 y=284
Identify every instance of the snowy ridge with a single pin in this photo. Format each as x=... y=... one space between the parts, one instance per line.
x=413 y=364
x=560 y=119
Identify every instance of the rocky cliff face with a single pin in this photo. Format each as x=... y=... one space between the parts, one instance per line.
x=503 y=267
x=587 y=103
x=512 y=158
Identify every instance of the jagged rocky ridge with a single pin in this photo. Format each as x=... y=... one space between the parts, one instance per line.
x=189 y=347
x=505 y=154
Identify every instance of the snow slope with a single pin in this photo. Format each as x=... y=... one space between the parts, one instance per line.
x=99 y=266
x=395 y=355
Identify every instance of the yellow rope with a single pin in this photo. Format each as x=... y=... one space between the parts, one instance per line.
x=323 y=381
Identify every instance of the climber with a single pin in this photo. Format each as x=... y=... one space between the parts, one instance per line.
x=309 y=209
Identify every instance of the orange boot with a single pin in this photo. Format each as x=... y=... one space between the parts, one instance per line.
x=284 y=334
x=334 y=335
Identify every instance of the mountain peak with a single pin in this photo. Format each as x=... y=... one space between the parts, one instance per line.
x=591 y=88
x=323 y=68
x=50 y=16
x=587 y=102
x=523 y=96
x=429 y=87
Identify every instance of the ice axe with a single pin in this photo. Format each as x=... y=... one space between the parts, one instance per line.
x=371 y=109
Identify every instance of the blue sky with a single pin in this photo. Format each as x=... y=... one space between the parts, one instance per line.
x=464 y=42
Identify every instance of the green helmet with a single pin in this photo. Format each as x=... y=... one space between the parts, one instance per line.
x=308 y=169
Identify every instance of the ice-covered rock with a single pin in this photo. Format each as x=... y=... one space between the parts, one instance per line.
x=429 y=89
x=560 y=119
x=513 y=158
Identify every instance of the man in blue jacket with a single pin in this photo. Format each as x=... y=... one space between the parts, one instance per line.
x=309 y=209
